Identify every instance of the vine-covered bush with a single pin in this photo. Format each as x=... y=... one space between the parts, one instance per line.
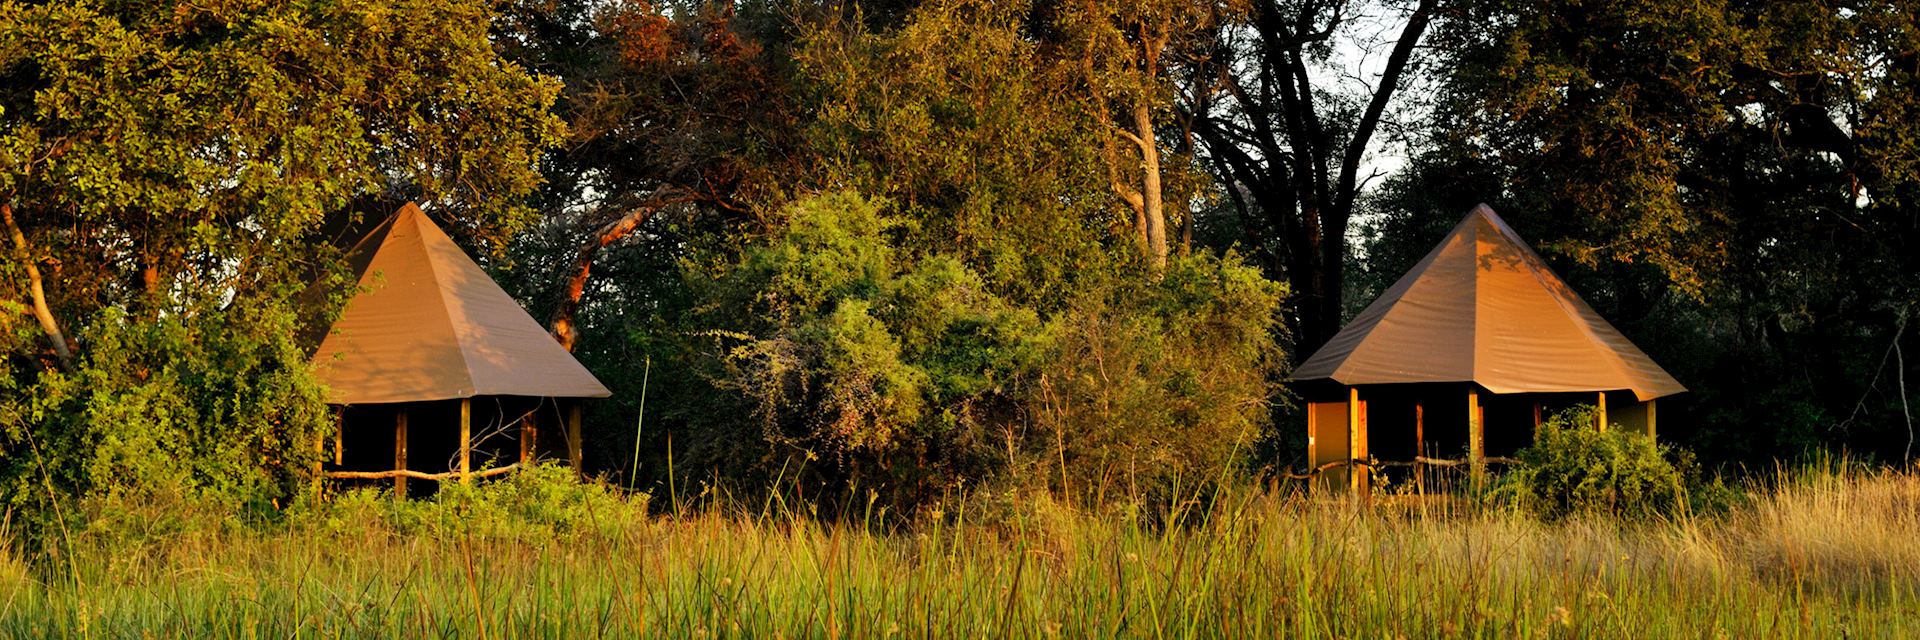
x=1573 y=468
x=884 y=368
x=210 y=407
x=536 y=505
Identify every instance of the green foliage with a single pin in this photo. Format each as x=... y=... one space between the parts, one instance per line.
x=1150 y=384
x=853 y=352
x=536 y=505
x=1575 y=468
x=178 y=173
x=959 y=118
x=905 y=295
x=903 y=373
x=218 y=408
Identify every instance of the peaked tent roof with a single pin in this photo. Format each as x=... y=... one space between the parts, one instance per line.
x=1483 y=307
x=433 y=326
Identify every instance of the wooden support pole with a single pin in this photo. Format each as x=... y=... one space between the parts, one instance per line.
x=1419 y=444
x=400 y=453
x=573 y=439
x=1476 y=435
x=466 y=440
x=529 y=432
x=1650 y=416
x=319 y=464
x=1357 y=443
x=1601 y=405
x=1313 y=437
x=339 y=433
x=1537 y=421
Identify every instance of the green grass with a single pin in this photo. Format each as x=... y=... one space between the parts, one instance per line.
x=1819 y=556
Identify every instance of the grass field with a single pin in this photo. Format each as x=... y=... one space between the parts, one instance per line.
x=1815 y=555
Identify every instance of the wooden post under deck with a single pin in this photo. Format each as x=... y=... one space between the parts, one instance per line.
x=1536 y=417
x=573 y=439
x=1602 y=406
x=1650 y=429
x=1358 y=472
x=400 y=452
x=528 y=434
x=1313 y=443
x=1476 y=435
x=466 y=440
x=1419 y=445
x=339 y=434
x=319 y=465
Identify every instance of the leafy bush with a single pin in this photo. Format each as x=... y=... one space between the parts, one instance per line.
x=1158 y=382
x=884 y=366
x=1574 y=468
x=903 y=372
x=214 y=407
x=535 y=504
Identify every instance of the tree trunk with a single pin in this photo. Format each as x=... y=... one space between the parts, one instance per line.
x=1153 y=201
x=37 y=289
x=565 y=327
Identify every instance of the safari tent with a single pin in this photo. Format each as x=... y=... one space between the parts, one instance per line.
x=431 y=347
x=1456 y=363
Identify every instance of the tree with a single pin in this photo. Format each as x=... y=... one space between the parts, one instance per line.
x=1731 y=182
x=1289 y=148
x=949 y=297
x=1127 y=52
x=967 y=120
x=673 y=107
x=171 y=177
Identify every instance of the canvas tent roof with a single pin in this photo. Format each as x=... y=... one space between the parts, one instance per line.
x=433 y=326
x=1483 y=307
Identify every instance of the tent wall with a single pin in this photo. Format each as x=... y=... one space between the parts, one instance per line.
x=1327 y=424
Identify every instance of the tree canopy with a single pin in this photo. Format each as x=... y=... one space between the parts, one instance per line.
x=930 y=248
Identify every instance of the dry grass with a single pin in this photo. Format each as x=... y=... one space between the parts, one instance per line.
x=1816 y=555
x=1832 y=531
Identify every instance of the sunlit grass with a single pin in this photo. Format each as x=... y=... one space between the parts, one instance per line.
x=1820 y=555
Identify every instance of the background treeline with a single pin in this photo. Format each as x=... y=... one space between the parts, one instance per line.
x=907 y=251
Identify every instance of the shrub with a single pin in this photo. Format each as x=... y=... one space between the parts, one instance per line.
x=535 y=504
x=906 y=373
x=1158 y=384
x=1573 y=468
x=876 y=362
x=216 y=408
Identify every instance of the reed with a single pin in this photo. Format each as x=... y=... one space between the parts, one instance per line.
x=1824 y=554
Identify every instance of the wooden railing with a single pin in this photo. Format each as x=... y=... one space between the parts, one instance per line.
x=1382 y=464
x=417 y=475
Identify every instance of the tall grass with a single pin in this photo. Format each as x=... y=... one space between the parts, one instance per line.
x=1817 y=555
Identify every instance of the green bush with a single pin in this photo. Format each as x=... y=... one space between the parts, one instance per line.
x=535 y=504
x=212 y=407
x=877 y=367
x=1574 y=468
x=1157 y=384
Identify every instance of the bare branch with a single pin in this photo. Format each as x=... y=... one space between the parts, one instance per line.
x=1389 y=82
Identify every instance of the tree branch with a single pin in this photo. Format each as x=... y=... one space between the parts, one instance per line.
x=37 y=289
x=1389 y=82
x=565 y=329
